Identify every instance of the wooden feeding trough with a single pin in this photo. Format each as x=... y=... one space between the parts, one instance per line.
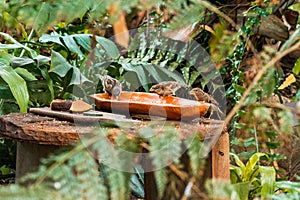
x=169 y=107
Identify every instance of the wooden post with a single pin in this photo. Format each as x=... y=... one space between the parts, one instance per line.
x=220 y=159
x=29 y=156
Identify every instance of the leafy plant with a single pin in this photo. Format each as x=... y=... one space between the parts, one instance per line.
x=258 y=180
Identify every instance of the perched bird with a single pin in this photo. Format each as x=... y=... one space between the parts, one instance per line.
x=111 y=85
x=200 y=95
x=166 y=88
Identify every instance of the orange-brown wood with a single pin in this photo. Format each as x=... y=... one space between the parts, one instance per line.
x=220 y=159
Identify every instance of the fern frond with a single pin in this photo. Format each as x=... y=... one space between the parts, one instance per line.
x=118 y=184
x=161 y=178
x=194 y=145
x=188 y=14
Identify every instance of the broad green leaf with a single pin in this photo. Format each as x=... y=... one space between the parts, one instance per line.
x=289 y=185
x=15 y=42
x=19 y=62
x=242 y=189
x=41 y=60
x=10 y=46
x=252 y=162
x=268 y=179
x=77 y=77
x=109 y=46
x=46 y=76
x=172 y=75
x=138 y=69
x=17 y=86
x=235 y=174
x=25 y=74
x=238 y=161
x=71 y=44
x=4 y=170
x=273 y=145
x=152 y=71
x=45 y=38
x=83 y=40
x=59 y=64
x=285 y=196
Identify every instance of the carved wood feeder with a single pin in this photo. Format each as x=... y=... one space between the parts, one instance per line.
x=151 y=104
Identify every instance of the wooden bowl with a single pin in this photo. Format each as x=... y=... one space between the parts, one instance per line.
x=151 y=104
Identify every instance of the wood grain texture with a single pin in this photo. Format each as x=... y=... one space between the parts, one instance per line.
x=220 y=159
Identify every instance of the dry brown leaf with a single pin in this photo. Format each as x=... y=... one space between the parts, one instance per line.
x=120 y=26
x=80 y=106
x=288 y=81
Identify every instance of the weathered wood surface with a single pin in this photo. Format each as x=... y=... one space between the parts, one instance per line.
x=51 y=131
x=220 y=159
x=42 y=130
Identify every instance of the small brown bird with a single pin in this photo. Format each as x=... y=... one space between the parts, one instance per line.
x=166 y=88
x=200 y=95
x=111 y=85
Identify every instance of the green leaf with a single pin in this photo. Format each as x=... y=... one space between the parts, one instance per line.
x=161 y=180
x=242 y=189
x=138 y=69
x=4 y=170
x=15 y=42
x=41 y=60
x=19 y=62
x=77 y=77
x=239 y=88
x=71 y=44
x=83 y=40
x=296 y=68
x=109 y=46
x=235 y=174
x=238 y=161
x=45 y=38
x=59 y=64
x=46 y=76
x=25 y=74
x=252 y=162
x=289 y=185
x=17 y=86
x=268 y=179
x=194 y=145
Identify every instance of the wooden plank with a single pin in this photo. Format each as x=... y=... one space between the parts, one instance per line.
x=80 y=117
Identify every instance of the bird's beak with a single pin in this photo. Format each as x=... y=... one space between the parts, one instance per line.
x=192 y=92
x=152 y=89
